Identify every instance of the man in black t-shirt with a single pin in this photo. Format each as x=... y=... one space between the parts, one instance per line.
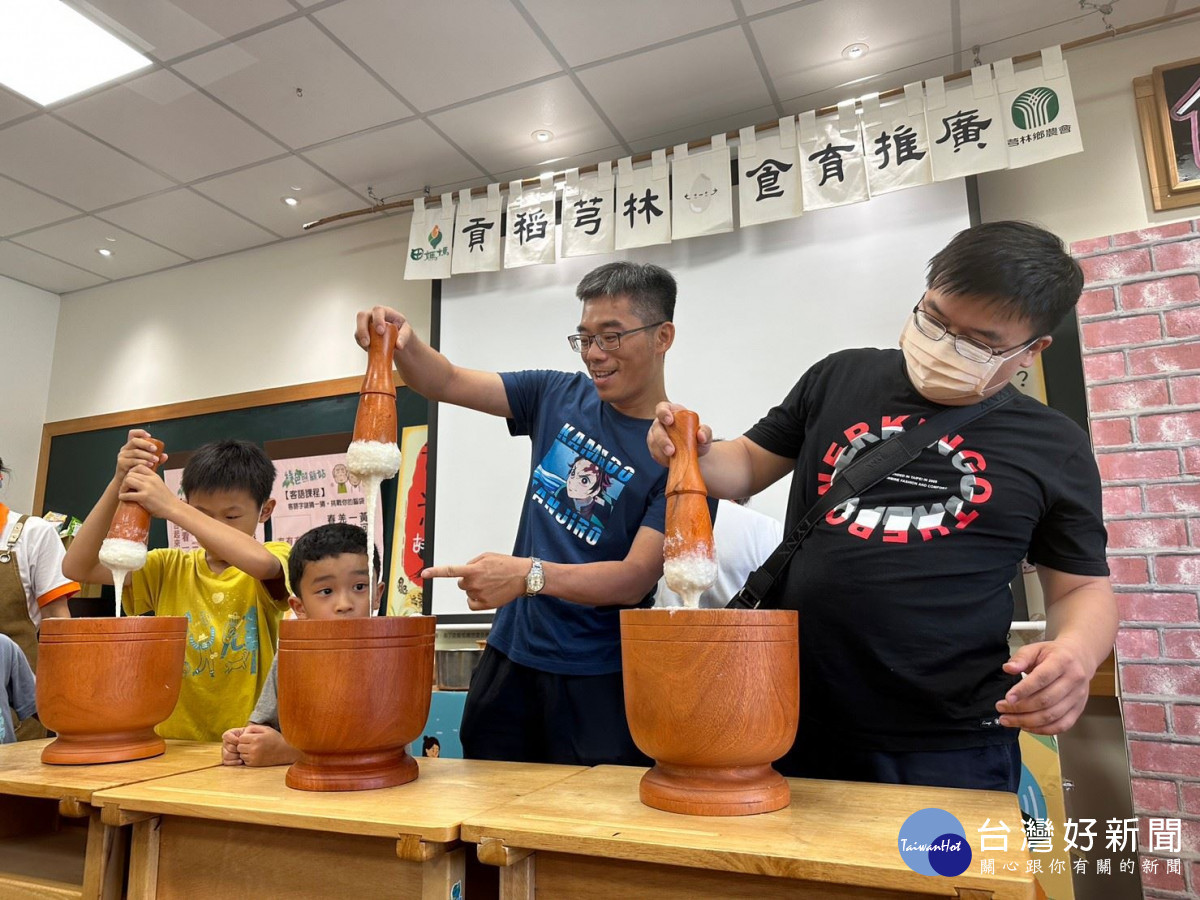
x=903 y=592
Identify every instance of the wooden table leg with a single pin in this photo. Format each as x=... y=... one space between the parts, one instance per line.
x=106 y=859
x=444 y=877
x=517 y=868
x=143 y=859
x=517 y=882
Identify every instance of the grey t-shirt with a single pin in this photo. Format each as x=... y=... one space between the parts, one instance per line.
x=266 y=710
x=18 y=686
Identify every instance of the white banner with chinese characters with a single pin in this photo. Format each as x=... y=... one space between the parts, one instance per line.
x=896 y=142
x=316 y=490
x=769 y=175
x=430 y=236
x=587 y=219
x=831 y=158
x=702 y=201
x=529 y=232
x=1040 y=122
x=178 y=538
x=643 y=203
x=965 y=125
x=477 y=232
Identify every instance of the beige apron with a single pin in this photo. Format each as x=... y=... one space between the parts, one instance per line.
x=15 y=621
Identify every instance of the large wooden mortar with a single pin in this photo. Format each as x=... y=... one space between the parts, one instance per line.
x=353 y=693
x=713 y=696
x=104 y=684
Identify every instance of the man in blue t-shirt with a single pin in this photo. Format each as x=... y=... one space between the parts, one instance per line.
x=590 y=541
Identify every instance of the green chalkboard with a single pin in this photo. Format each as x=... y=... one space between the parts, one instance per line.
x=81 y=463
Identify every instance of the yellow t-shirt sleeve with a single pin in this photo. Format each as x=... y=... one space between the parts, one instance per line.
x=145 y=586
x=281 y=550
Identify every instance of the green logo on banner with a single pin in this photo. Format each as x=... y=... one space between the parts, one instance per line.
x=1035 y=108
x=435 y=237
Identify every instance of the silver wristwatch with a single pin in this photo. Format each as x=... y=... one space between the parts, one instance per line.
x=536 y=579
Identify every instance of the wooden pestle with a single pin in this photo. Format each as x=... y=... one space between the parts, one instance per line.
x=689 y=525
x=131 y=522
x=376 y=418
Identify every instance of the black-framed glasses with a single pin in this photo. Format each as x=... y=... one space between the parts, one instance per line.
x=967 y=348
x=605 y=340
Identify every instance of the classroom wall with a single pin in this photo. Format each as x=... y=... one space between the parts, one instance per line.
x=271 y=317
x=1103 y=190
x=28 y=319
x=1099 y=192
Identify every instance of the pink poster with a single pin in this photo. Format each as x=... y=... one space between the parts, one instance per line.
x=316 y=490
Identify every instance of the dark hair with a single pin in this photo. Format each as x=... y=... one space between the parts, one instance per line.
x=429 y=741
x=650 y=289
x=323 y=542
x=230 y=466
x=1022 y=270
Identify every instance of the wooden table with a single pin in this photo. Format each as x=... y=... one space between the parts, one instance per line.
x=590 y=837
x=236 y=832
x=45 y=850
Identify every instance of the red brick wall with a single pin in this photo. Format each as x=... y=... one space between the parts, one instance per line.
x=1140 y=324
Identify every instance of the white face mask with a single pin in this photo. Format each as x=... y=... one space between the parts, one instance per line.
x=940 y=373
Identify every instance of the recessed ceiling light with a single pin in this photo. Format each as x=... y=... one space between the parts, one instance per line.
x=290 y=201
x=111 y=240
x=296 y=187
x=543 y=136
x=855 y=51
x=49 y=51
x=104 y=251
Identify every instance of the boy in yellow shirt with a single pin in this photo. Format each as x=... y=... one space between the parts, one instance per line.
x=328 y=570
x=232 y=590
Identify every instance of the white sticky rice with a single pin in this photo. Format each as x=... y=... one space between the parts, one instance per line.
x=372 y=462
x=367 y=458
x=689 y=576
x=121 y=557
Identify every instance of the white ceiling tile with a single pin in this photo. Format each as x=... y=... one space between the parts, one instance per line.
x=877 y=83
x=585 y=34
x=22 y=209
x=401 y=159
x=41 y=271
x=1029 y=25
x=753 y=7
x=259 y=77
x=258 y=192
x=498 y=132
x=76 y=242
x=169 y=29
x=162 y=120
x=189 y=224
x=56 y=158
x=12 y=106
x=802 y=47
x=700 y=130
x=578 y=161
x=435 y=56
x=670 y=88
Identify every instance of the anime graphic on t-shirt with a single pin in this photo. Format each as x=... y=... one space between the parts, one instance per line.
x=578 y=482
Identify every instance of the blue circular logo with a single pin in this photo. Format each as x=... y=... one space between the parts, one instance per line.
x=933 y=842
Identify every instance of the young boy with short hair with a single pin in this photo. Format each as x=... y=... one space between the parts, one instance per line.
x=328 y=572
x=232 y=590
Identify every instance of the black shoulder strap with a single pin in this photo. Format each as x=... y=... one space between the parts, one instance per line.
x=864 y=472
